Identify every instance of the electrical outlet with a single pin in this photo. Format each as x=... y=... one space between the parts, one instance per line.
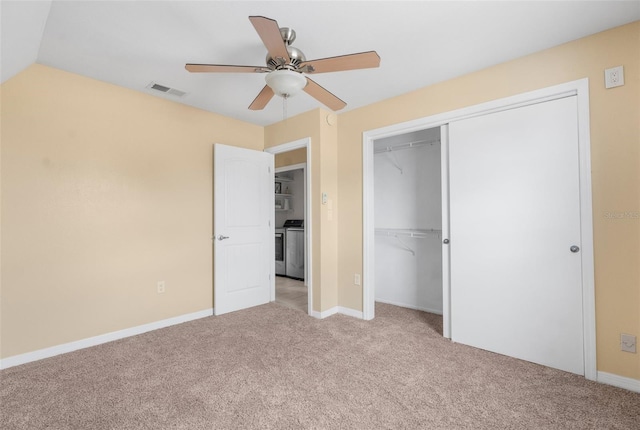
x=356 y=279
x=628 y=343
x=161 y=287
x=614 y=77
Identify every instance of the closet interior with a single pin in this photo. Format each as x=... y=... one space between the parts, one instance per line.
x=408 y=220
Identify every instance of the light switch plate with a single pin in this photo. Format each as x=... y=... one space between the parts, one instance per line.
x=614 y=77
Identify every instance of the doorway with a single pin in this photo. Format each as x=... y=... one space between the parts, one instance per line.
x=408 y=220
x=293 y=204
x=290 y=225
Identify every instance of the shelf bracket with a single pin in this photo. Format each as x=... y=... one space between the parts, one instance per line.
x=405 y=246
x=394 y=161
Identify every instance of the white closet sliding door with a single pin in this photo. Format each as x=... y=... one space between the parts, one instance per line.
x=514 y=218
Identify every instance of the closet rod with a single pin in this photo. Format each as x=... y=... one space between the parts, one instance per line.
x=409 y=145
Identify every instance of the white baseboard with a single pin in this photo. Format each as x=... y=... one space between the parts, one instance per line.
x=350 y=312
x=417 y=308
x=619 y=381
x=337 y=310
x=325 y=314
x=97 y=340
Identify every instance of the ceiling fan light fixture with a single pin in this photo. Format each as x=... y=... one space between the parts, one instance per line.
x=286 y=83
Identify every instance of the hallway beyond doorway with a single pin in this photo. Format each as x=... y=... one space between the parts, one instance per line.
x=291 y=293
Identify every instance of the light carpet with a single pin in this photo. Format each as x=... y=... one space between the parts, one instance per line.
x=272 y=367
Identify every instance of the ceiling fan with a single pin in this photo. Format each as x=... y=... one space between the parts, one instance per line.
x=286 y=66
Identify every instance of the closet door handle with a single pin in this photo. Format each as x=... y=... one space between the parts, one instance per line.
x=574 y=249
x=446 y=241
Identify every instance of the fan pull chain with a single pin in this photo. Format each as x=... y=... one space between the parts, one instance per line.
x=284 y=107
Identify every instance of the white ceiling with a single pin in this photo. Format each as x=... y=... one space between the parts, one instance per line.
x=131 y=43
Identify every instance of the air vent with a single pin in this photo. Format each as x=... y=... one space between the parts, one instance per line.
x=165 y=89
x=160 y=88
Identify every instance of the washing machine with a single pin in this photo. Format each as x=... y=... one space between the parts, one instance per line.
x=294 y=238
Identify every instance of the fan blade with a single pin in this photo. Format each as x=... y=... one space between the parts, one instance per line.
x=323 y=96
x=263 y=98
x=362 y=60
x=221 y=68
x=269 y=32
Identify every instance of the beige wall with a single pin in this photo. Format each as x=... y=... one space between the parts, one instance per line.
x=615 y=143
x=105 y=191
x=289 y=158
x=324 y=138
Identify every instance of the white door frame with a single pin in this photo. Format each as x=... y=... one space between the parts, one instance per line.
x=579 y=88
x=286 y=147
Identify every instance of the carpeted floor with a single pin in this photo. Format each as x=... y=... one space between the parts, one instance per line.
x=273 y=367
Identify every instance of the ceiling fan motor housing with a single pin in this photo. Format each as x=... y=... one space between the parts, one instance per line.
x=288 y=35
x=297 y=56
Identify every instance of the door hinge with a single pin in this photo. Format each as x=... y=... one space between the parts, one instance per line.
x=269 y=169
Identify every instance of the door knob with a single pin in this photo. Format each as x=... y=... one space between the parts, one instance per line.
x=446 y=241
x=575 y=248
x=221 y=237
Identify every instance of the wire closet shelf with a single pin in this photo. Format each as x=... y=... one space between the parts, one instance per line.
x=399 y=234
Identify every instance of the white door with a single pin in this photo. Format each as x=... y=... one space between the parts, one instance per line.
x=244 y=259
x=514 y=217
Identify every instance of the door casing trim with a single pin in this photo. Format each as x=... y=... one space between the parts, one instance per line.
x=285 y=147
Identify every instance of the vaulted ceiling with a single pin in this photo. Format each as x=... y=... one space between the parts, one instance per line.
x=134 y=43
